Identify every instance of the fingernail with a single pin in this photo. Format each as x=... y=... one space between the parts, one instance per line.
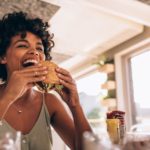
x=43 y=77
x=61 y=80
x=59 y=74
x=57 y=69
x=44 y=67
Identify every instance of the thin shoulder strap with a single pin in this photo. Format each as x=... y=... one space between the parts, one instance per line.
x=47 y=116
x=45 y=109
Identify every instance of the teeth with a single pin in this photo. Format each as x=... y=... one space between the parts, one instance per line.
x=30 y=61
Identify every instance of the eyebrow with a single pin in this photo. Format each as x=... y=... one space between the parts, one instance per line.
x=22 y=40
x=39 y=43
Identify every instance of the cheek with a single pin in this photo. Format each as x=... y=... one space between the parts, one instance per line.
x=15 y=54
x=15 y=58
x=42 y=56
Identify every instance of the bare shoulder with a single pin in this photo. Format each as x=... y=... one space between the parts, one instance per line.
x=51 y=100
x=53 y=103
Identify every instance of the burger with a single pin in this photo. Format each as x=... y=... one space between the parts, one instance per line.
x=52 y=81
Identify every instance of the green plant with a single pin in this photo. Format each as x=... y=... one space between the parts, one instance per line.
x=110 y=94
x=94 y=114
x=103 y=59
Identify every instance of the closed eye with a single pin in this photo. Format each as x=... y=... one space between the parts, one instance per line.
x=40 y=49
x=22 y=46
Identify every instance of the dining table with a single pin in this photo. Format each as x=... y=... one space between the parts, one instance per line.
x=131 y=141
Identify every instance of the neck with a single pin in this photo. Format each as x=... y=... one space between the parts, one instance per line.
x=23 y=101
x=27 y=96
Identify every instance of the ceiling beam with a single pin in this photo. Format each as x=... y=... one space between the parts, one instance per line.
x=128 y=9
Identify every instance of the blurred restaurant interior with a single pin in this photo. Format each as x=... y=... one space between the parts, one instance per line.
x=105 y=44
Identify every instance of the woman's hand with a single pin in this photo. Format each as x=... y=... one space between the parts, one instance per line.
x=69 y=93
x=21 y=80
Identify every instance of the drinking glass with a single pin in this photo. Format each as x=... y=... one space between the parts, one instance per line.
x=11 y=141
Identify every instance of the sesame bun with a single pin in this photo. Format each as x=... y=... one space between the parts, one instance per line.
x=52 y=81
x=51 y=76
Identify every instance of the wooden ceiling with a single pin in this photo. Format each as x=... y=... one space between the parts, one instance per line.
x=34 y=7
x=145 y=1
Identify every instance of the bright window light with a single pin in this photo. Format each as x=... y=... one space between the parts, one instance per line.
x=141 y=79
x=91 y=84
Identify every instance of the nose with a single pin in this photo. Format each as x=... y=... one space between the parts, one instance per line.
x=33 y=52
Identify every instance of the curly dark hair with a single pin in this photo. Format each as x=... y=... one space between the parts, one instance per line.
x=19 y=23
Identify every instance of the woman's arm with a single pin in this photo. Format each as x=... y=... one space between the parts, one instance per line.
x=79 y=123
x=69 y=127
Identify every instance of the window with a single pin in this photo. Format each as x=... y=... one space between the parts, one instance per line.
x=141 y=81
x=132 y=80
x=90 y=94
x=91 y=84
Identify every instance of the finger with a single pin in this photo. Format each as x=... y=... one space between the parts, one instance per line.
x=36 y=74
x=63 y=71
x=66 y=78
x=36 y=79
x=65 y=75
x=34 y=69
x=68 y=85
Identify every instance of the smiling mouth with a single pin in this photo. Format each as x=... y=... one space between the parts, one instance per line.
x=29 y=62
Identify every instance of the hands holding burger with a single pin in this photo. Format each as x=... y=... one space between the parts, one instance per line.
x=46 y=76
x=60 y=80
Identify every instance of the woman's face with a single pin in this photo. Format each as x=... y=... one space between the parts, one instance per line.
x=22 y=51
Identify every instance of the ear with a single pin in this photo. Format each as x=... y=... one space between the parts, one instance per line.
x=3 y=60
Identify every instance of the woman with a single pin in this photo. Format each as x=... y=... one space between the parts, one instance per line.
x=21 y=107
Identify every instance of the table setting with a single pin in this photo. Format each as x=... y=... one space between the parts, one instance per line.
x=115 y=137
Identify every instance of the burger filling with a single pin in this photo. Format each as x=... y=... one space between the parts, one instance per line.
x=45 y=87
x=41 y=85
